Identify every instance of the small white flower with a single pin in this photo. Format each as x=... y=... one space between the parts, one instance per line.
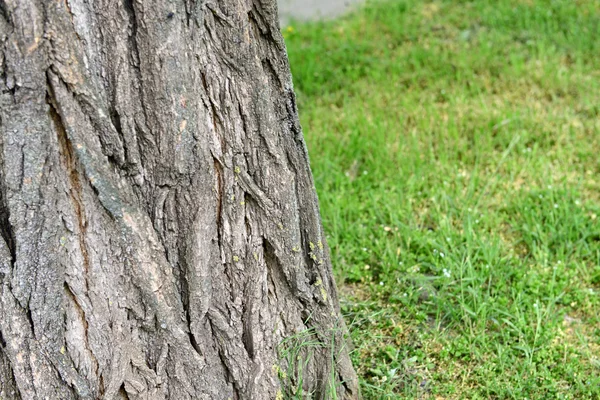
x=381 y=283
x=442 y=255
x=446 y=273
x=406 y=294
x=535 y=305
x=364 y=249
x=555 y=205
x=577 y=202
x=365 y=172
x=400 y=263
x=448 y=240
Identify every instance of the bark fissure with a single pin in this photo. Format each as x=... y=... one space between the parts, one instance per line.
x=75 y=189
x=76 y=197
x=219 y=191
x=224 y=359
x=4 y=11
x=6 y=230
x=96 y=171
x=185 y=295
x=82 y=318
x=277 y=272
x=8 y=385
x=123 y=392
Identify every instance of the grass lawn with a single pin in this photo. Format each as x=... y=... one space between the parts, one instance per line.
x=456 y=152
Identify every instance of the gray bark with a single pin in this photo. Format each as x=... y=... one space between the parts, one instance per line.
x=160 y=232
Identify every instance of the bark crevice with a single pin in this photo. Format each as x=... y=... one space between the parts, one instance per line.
x=76 y=196
x=8 y=385
x=6 y=230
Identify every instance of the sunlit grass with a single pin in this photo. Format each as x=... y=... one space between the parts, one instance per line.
x=455 y=147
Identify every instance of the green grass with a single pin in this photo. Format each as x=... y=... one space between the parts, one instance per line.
x=456 y=152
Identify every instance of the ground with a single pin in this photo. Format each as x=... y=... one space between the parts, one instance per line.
x=313 y=9
x=455 y=151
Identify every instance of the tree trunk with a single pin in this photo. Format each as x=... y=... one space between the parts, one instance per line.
x=161 y=232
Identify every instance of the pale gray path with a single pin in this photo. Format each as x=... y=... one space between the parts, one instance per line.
x=313 y=9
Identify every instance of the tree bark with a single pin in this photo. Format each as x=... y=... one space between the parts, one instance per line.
x=160 y=229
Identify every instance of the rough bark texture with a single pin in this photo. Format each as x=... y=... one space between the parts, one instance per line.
x=160 y=230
